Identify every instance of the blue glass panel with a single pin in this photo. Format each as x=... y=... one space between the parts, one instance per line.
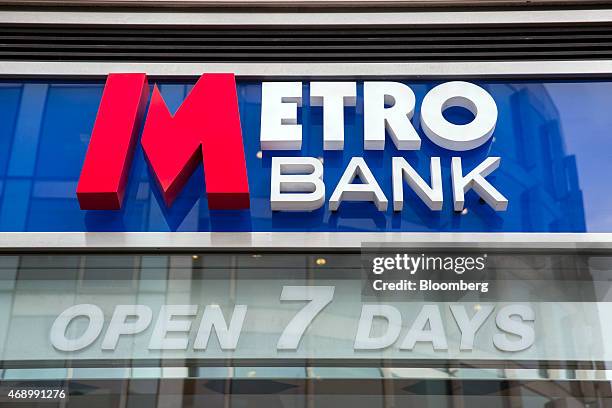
x=553 y=138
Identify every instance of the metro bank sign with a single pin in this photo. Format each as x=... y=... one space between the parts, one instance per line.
x=206 y=128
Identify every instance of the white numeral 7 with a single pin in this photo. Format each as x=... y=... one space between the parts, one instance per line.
x=318 y=297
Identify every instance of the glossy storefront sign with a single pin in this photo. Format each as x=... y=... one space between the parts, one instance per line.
x=284 y=307
x=551 y=139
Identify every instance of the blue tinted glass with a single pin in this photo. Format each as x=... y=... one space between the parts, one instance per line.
x=553 y=140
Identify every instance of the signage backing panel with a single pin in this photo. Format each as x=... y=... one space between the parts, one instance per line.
x=552 y=138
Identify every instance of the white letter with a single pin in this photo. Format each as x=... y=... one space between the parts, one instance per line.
x=296 y=184
x=165 y=325
x=363 y=341
x=431 y=196
x=368 y=190
x=213 y=318
x=396 y=118
x=279 y=128
x=94 y=327
x=505 y=322
x=435 y=334
x=475 y=180
x=119 y=325
x=458 y=137
x=333 y=96
x=469 y=327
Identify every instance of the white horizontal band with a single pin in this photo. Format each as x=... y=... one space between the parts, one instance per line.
x=344 y=18
x=293 y=240
x=293 y=3
x=446 y=70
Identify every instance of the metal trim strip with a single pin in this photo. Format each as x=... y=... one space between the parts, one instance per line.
x=305 y=3
x=301 y=241
x=447 y=70
x=224 y=18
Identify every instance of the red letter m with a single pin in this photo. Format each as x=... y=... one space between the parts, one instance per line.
x=205 y=127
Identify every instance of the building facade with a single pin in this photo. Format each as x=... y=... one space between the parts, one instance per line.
x=305 y=204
